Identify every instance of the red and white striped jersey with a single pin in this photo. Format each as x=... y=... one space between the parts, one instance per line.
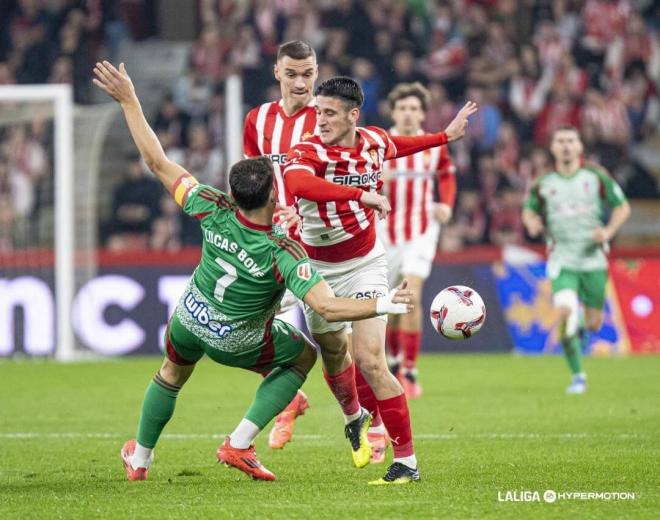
x=409 y=187
x=340 y=231
x=269 y=131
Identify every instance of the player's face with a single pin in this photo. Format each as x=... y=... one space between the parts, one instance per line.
x=408 y=115
x=296 y=77
x=566 y=146
x=333 y=119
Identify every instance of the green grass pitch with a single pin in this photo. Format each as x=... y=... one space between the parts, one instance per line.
x=486 y=424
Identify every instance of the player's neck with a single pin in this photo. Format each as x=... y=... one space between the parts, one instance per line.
x=260 y=219
x=349 y=139
x=406 y=132
x=291 y=106
x=568 y=168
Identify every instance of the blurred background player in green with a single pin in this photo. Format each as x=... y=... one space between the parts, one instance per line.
x=569 y=204
x=228 y=308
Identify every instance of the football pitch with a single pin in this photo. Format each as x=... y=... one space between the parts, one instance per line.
x=487 y=428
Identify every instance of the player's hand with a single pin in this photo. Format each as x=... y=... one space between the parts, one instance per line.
x=397 y=301
x=535 y=227
x=602 y=234
x=115 y=83
x=457 y=128
x=287 y=217
x=377 y=202
x=442 y=212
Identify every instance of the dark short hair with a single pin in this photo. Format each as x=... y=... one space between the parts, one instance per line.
x=564 y=128
x=296 y=50
x=251 y=181
x=404 y=90
x=344 y=88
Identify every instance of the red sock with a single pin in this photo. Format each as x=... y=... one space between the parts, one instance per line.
x=343 y=388
x=392 y=342
x=367 y=397
x=397 y=421
x=411 y=342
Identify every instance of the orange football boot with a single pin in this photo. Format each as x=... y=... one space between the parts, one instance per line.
x=126 y=453
x=282 y=430
x=246 y=460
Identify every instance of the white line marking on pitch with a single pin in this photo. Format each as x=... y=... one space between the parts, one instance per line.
x=421 y=436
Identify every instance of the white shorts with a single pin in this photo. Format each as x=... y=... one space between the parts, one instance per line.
x=414 y=258
x=361 y=278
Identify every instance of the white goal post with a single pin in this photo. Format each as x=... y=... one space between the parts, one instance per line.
x=62 y=98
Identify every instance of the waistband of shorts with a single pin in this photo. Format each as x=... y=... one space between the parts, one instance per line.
x=355 y=247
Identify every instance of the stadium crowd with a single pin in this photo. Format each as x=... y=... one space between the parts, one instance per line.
x=530 y=65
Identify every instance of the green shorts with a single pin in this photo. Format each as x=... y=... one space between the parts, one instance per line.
x=589 y=285
x=282 y=345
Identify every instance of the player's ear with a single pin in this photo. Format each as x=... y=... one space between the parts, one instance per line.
x=276 y=72
x=354 y=115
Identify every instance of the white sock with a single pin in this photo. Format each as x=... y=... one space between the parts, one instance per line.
x=378 y=429
x=353 y=416
x=244 y=434
x=410 y=461
x=142 y=457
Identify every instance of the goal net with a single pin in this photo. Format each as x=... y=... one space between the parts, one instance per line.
x=49 y=167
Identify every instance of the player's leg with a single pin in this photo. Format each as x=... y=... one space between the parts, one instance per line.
x=592 y=292
x=282 y=430
x=369 y=338
x=410 y=333
x=339 y=373
x=293 y=359
x=416 y=263
x=395 y=257
x=160 y=399
x=565 y=285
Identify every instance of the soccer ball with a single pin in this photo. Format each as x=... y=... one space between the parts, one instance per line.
x=458 y=312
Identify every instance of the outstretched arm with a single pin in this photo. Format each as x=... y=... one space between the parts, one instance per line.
x=331 y=308
x=119 y=86
x=408 y=145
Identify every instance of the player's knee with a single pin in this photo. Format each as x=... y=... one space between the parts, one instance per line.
x=175 y=374
x=567 y=304
x=307 y=359
x=594 y=323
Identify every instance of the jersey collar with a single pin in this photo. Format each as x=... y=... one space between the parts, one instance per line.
x=251 y=225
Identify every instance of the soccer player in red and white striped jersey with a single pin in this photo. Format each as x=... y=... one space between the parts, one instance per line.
x=335 y=177
x=410 y=233
x=271 y=129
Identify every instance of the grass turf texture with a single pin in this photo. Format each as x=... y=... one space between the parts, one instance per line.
x=485 y=424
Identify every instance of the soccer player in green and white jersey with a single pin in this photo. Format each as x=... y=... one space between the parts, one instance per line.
x=228 y=309
x=569 y=205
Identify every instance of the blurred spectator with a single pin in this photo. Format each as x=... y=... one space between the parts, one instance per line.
x=560 y=110
x=364 y=72
x=166 y=231
x=201 y=160
x=403 y=71
x=485 y=124
x=170 y=118
x=470 y=218
x=505 y=224
x=192 y=93
x=135 y=206
x=441 y=110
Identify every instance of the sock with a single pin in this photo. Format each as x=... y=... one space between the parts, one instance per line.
x=397 y=421
x=367 y=397
x=342 y=386
x=157 y=409
x=410 y=341
x=392 y=341
x=572 y=351
x=141 y=457
x=377 y=429
x=410 y=461
x=244 y=434
x=275 y=392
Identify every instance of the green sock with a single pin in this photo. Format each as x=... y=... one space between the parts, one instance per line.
x=157 y=410
x=274 y=393
x=573 y=352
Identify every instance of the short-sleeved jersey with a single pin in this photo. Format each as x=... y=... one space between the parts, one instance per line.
x=572 y=207
x=340 y=231
x=410 y=188
x=269 y=131
x=236 y=289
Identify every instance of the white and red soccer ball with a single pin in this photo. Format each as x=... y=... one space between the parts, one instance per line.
x=458 y=312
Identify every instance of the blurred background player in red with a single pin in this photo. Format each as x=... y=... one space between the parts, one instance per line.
x=270 y=129
x=421 y=189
